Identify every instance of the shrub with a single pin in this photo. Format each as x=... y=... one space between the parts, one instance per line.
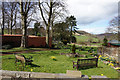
x=6 y=46
x=65 y=42
x=53 y=45
x=38 y=34
x=105 y=41
x=86 y=56
x=58 y=45
x=73 y=39
x=95 y=54
x=73 y=49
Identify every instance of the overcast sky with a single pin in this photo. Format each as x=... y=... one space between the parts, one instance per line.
x=93 y=15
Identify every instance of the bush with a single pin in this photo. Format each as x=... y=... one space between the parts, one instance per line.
x=86 y=56
x=6 y=46
x=58 y=45
x=38 y=34
x=105 y=41
x=65 y=42
x=53 y=45
x=73 y=49
x=73 y=39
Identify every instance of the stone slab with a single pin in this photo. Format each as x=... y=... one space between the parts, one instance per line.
x=42 y=75
x=22 y=75
x=85 y=76
x=8 y=73
x=74 y=73
x=99 y=77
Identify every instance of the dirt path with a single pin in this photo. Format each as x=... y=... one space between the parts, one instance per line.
x=27 y=51
x=89 y=45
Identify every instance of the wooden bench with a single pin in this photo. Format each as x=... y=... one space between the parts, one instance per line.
x=91 y=62
x=23 y=59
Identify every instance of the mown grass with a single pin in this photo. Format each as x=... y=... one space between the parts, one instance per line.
x=42 y=62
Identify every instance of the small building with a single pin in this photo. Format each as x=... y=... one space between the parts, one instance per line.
x=114 y=43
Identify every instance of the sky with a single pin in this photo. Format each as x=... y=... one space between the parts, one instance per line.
x=93 y=16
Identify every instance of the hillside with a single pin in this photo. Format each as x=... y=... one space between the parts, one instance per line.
x=109 y=36
x=85 y=37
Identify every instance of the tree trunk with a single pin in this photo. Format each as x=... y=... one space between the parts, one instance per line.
x=24 y=27
x=11 y=24
x=52 y=30
x=3 y=21
x=49 y=20
x=8 y=27
x=11 y=30
x=3 y=30
x=47 y=36
x=24 y=33
x=71 y=34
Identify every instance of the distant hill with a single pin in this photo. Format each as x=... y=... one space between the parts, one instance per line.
x=80 y=32
x=109 y=36
x=104 y=34
x=85 y=37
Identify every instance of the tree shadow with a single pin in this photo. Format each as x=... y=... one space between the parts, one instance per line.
x=34 y=65
x=100 y=67
x=84 y=68
x=10 y=58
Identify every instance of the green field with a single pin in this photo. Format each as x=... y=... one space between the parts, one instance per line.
x=86 y=38
x=42 y=62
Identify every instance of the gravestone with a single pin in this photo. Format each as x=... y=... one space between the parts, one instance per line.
x=74 y=73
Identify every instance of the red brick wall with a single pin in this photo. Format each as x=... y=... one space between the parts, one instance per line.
x=34 y=41
x=38 y=41
x=14 y=40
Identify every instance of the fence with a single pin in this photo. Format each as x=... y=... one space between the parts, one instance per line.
x=32 y=41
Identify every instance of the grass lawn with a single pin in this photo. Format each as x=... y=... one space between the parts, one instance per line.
x=42 y=62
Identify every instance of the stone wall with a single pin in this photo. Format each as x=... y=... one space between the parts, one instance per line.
x=112 y=52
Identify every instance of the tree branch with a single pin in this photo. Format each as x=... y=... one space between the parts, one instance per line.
x=42 y=14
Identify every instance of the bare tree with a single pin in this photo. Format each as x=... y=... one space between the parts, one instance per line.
x=3 y=19
x=114 y=27
x=47 y=23
x=25 y=9
x=11 y=10
x=59 y=14
x=50 y=9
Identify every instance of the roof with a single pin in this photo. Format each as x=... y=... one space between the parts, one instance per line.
x=114 y=42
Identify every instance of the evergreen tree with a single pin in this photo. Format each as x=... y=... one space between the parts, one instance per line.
x=105 y=41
